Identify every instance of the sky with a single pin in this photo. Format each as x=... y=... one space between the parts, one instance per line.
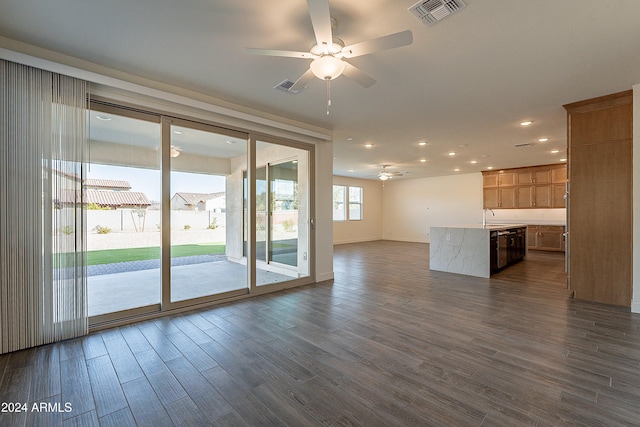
x=147 y=181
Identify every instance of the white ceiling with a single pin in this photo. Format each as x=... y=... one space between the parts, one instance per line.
x=463 y=85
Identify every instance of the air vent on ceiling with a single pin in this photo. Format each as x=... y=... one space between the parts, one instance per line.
x=286 y=85
x=431 y=11
x=525 y=144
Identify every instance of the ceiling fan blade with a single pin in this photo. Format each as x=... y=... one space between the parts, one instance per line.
x=303 y=81
x=390 y=41
x=358 y=75
x=274 y=52
x=321 y=21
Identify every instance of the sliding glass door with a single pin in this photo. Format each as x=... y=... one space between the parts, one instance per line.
x=283 y=222
x=122 y=203
x=184 y=213
x=203 y=207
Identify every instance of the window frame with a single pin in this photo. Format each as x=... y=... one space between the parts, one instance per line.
x=359 y=203
x=347 y=202
x=345 y=212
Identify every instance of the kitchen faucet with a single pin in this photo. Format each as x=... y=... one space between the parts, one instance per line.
x=484 y=216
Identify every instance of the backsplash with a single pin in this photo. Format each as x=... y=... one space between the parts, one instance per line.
x=528 y=216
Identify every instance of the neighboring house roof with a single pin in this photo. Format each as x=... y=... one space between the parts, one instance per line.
x=116 y=198
x=69 y=175
x=107 y=183
x=108 y=198
x=195 y=198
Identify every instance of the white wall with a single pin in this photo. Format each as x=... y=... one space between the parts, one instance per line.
x=411 y=207
x=324 y=211
x=370 y=227
x=635 y=294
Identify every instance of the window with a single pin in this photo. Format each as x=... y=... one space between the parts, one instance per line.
x=340 y=211
x=339 y=203
x=355 y=203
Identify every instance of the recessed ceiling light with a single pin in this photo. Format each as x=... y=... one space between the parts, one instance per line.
x=452 y=153
x=103 y=118
x=456 y=170
x=489 y=167
x=543 y=139
x=423 y=160
x=473 y=162
x=178 y=132
x=563 y=160
x=526 y=123
x=350 y=139
x=368 y=145
x=555 y=151
x=463 y=145
x=350 y=170
x=422 y=144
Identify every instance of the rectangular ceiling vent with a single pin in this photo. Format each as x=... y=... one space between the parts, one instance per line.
x=286 y=85
x=431 y=11
x=523 y=145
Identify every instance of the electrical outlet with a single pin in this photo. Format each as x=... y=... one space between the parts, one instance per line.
x=447 y=237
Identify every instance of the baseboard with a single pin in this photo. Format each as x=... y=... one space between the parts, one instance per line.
x=344 y=242
x=403 y=239
x=635 y=306
x=324 y=276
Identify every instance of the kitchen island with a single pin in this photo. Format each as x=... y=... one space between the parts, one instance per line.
x=476 y=250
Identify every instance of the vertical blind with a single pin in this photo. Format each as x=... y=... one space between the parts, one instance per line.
x=43 y=145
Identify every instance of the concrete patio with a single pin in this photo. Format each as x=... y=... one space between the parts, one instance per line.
x=122 y=286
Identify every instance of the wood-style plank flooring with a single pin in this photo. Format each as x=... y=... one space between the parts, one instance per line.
x=387 y=343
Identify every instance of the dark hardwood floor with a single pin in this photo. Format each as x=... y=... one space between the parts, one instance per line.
x=387 y=343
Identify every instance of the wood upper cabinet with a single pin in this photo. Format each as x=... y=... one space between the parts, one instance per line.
x=525 y=188
x=506 y=179
x=534 y=176
x=508 y=197
x=559 y=174
x=489 y=180
x=499 y=197
x=558 y=194
x=499 y=191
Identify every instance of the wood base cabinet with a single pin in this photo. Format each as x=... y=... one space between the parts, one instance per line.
x=546 y=238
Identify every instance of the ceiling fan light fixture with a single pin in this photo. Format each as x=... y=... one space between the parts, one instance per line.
x=384 y=177
x=327 y=67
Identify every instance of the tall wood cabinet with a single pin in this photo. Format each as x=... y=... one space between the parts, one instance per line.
x=600 y=143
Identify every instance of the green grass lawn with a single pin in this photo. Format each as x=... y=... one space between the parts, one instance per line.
x=110 y=256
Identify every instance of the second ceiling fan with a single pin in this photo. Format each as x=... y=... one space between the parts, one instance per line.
x=329 y=53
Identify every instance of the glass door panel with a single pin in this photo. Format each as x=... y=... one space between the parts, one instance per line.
x=283 y=185
x=206 y=210
x=261 y=214
x=287 y=232
x=122 y=194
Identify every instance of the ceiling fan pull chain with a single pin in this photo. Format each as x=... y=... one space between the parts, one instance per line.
x=328 y=94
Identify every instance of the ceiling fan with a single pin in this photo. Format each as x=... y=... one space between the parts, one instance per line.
x=385 y=174
x=329 y=53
